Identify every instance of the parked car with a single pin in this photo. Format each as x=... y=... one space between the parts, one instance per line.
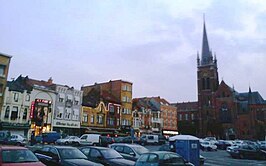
x=15 y=155
x=161 y=158
x=130 y=140
x=166 y=147
x=150 y=139
x=4 y=136
x=221 y=144
x=48 y=137
x=262 y=145
x=231 y=148
x=105 y=141
x=74 y=140
x=162 y=139
x=105 y=156
x=248 y=152
x=129 y=151
x=118 y=139
x=63 y=155
x=18 y=140
x=208 y=146
x=90 y=139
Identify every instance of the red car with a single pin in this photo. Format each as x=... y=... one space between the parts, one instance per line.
x=18 y=156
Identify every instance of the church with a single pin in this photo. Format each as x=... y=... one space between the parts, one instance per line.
x=222 y=111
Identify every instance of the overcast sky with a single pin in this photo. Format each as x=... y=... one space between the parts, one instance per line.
x=150 y=43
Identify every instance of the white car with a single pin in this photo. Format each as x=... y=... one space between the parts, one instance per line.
x=68 y=140
x=17 y=139
x=208 y=145
x=231 y=148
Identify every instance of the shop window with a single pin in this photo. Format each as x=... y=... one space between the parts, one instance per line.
x=7 y=112
x=14 y=113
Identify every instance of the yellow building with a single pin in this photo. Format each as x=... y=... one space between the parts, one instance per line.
x=4 y=67
x=94 y=117
x=122 y=91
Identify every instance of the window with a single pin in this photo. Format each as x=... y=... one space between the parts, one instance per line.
x=2 y=70
x=1 y=89
x=143 y=158
x=25 y=114
x=117 y=121
x=60 y=111
x=112 y=109
x=99 y=119
x=95 y=153
x=110 y=121
x=85 y=118
x=7 y=112
x=61 y=100
x=68 y=113
x=75 y=115
x=76 y=102
x=186 y=116
x=118 y=110
x=124 y=99
x=128 y=150
x=124 y=87
x=86 y=151
x=153 y=158
x=16 y=97
x=92 y=119
x=27 y=97
x=119 y=149
x=180 y=116
x=192 y=116
x=14 y=113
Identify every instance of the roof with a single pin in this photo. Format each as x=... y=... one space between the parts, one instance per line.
x=96 y=147
x=251 y=98
x=187 y=106
x=118 y=80
x=131 y=145
x=183 y=137
x=5 y=55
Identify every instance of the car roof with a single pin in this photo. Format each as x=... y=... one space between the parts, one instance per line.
x=12 y=147
x=60 y=147
x=95 y=147
x=130 y=145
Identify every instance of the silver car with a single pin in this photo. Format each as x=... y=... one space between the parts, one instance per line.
x=129 y=151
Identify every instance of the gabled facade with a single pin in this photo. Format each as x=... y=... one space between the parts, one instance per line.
x=122 y=91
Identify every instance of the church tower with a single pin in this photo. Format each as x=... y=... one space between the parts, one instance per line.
x=207 y=86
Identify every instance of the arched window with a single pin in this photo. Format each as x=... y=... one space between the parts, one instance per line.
x=7 y=112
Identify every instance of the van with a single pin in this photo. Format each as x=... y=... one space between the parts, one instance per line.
x=50 y=137
x=150 y=139
x=90 y=139
x=4 y=137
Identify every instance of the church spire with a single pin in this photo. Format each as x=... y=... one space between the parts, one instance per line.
x=205 y=54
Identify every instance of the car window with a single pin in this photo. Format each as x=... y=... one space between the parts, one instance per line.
x=18 y=156
x=86 y=151
x=128 y=150
x=45 y=149
x=84 y=137
x=53 y=151
x=94 y=153
x=176 y=159
x=150 y=137
x=119 y=149
x=166 y=157
x=143 y=158
x=153 y=158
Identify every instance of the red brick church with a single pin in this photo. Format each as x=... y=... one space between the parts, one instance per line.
x=221 y=110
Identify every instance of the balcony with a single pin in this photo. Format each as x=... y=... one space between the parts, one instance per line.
x=157 y=120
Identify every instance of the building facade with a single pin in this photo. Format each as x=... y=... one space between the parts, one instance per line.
x=4 y=68
x=120 y=90
x=67 y=114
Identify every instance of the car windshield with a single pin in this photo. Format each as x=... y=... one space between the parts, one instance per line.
x=71 y=153
x=140 y=149
x=67 y=137
x=18 y=156
x=110 y=154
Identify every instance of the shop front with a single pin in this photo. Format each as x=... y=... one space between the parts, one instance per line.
x=40 y=116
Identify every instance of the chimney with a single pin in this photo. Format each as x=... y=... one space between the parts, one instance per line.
x=50 y=81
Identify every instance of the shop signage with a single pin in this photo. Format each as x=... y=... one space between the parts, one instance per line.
x=64 y=123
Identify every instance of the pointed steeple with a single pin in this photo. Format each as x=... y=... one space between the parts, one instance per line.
x=205 y=53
